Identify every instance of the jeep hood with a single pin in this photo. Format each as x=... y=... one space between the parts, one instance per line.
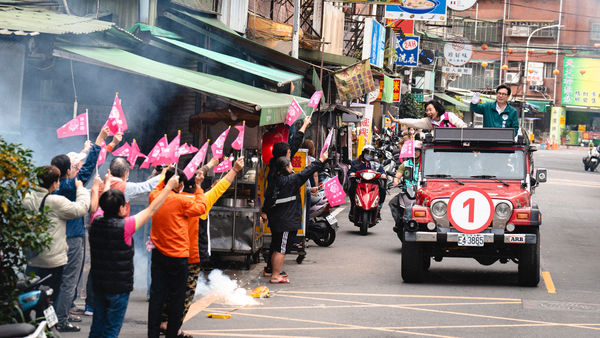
x=444 y=188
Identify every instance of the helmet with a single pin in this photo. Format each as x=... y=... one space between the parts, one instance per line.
x=418 y=145
x=368 y=152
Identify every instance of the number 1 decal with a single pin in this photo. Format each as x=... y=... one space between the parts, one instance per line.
x=471 y=204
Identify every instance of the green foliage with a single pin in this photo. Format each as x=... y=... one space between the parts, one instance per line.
x=21 y=230
x=409 y=107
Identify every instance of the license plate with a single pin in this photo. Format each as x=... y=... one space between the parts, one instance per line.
x=331 y=219
x=50 y=315
x=470 y=240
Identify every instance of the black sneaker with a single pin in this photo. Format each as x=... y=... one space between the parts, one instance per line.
x=68 y=328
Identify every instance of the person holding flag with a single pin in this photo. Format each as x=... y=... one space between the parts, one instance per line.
x=402 y=201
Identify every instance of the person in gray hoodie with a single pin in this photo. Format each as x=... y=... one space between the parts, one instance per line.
x=53 y=259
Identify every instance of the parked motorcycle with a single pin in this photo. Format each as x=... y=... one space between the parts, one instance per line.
x=366 y=199
x=591 y=161
x=322 y=226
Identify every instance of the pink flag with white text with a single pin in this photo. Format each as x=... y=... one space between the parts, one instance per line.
x=116 y=119
x=327 y=142
x=225 y=165
x=186 y=149
x=101 y=155
x=124 y=151
x=154 y=154
x=408 y=150
x=315 y=99
x=334 y=192
x=217 y=147
x=196 y=161
x=238 y=144
x=134 y=153
x=77 y=126
x=170 y=154
x=293 y=113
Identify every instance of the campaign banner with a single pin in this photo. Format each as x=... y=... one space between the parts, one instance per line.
x=334 y=192
x=77 y=126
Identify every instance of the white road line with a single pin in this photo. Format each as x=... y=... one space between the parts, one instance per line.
x=337 y=211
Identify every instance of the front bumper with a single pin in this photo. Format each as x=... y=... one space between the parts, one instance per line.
x=451 y=236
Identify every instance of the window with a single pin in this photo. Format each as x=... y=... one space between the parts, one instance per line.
x=488 y=31
x=524 y=28
x=462 y=163
x=548 y=69
x=482 y=78
x=595 y=31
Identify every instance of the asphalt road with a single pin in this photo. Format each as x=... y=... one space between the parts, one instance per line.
x=354 y=288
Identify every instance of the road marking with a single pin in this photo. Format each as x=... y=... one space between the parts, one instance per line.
x=395 y=295
x=337 y=211
x=224 y=309
x=548 y=281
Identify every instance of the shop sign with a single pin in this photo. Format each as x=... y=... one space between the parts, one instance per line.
x=423 y=10
x=407 y=53
x=458 y=52
x=580 y=82
x=536 y=77
x=458 y=70
x=355 y=81
x=406 y=26
x=396 y=93
x=374 y=42
x=461 y=5
x=418 y=97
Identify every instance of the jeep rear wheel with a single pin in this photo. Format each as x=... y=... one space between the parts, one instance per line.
x=413 y=262
x=529 y=263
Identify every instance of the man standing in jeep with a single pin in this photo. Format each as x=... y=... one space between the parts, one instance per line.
x=497 y=114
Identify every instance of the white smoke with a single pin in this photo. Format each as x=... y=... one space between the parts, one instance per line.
x=224 y=289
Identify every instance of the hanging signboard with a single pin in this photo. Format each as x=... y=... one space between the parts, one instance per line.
x=458 y=52
x=407 y=53
x=535 y=73
x=374 y=42
x=424 y=10
x=458 y=70
x=580 y=82
x=407 y=27
x=396 y=93
x=355 y=81
x=461 y=5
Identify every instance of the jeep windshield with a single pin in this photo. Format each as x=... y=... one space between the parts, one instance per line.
x=474 y=163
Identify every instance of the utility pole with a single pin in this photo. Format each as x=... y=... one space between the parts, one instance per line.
x=296 y=29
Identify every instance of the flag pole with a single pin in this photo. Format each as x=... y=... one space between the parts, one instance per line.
x=87 y=124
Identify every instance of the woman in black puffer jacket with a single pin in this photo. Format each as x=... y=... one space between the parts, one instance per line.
x=284 y=210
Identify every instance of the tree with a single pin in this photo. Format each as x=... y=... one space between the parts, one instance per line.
x=21 y=230
x=408 y=107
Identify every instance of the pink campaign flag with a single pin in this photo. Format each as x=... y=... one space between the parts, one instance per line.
x=124 y=151
x=134 y=153
x=293 y=113
x=315 y=99
x=225 y=165
x=170 y=154
x=77 y=126
x=334 y=192
x=101 y=155
x=196 y=161
x=186 y=149
x=217 y=147
x=116 y=119
x=408 y=150
x=154 y=154
x=327 y=143
x=238 y=144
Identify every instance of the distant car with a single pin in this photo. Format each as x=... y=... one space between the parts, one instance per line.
x=474 y=199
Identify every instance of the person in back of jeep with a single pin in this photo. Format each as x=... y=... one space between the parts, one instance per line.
x=403 y=200
x=497 y=114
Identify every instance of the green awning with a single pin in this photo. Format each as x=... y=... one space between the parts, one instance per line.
x=540 y=105
x=328 y=58
x=35 y=20
x=210 y=21
x=273 y=106
x=458 y=104
x=155 y=31
x=279 y=76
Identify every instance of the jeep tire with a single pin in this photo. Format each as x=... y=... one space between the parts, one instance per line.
x=413 y=262
x=529 y=263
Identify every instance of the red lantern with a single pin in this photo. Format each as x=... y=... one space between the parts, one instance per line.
x=582 y=72
x=484 y=64
x=504 y=67
x=574 y=51
x=531 y=52
x=549 y=52
x=509 y=51
x=277 y=134
x=556 y=72
x=530 y=71
x=484 y=46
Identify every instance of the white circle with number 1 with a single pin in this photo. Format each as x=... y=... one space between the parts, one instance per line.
x=470 y=210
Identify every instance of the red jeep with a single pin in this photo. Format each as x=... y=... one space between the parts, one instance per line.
x=474 y=199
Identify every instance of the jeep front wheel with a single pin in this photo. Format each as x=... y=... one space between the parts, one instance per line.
x=413 y=262
x=529 y=263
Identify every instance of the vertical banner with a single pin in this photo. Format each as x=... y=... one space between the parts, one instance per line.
x=373 y=42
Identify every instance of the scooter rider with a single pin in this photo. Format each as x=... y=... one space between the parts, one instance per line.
x=366 y=160
x=405 y=199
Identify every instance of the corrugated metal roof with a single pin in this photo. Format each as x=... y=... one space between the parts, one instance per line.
x=32 y=21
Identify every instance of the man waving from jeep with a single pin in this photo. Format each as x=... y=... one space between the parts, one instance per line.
x=497 y=114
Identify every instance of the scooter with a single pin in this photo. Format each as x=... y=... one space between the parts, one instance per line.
x=591 y=161
x=366 y=199
x=322 y=226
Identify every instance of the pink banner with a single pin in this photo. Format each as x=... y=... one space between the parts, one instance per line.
x=101 y=155
x=293 y=113
x=124 y=151
x=315 y=99
x=238 y=144
x=225 y=165
x=217 y=147
x=334 y=192
x=77 y=126
x=154 y=154
x=186 y=149
x=134 y=153
x=196 y=161
x=171 y=153
x=408 y=150
x=116 y=119
x=327 y=143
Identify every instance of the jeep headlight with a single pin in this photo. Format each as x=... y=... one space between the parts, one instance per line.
x=503 y=210
x=438 y=209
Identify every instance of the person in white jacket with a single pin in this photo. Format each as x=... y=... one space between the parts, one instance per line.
x=52 y=260
x=436 y=117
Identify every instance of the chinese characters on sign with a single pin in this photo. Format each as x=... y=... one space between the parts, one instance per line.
x=457 y=70
x=407 y=53
x=396 y=93
x=427 y=10
x=355 y=81
x=458 y=52
x=334 y=192
x=580 y=86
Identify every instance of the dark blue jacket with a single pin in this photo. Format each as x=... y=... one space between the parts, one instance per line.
x=75 y=227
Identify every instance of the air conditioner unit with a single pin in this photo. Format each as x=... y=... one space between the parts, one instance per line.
x=517 y=31
x=511 y=78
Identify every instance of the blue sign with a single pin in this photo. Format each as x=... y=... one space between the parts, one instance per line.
x=429 y=10
x=407 y=53
x=377 y=44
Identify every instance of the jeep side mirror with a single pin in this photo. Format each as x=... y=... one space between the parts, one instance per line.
x=541 y=175
x=408 y=173
x=532 y=148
